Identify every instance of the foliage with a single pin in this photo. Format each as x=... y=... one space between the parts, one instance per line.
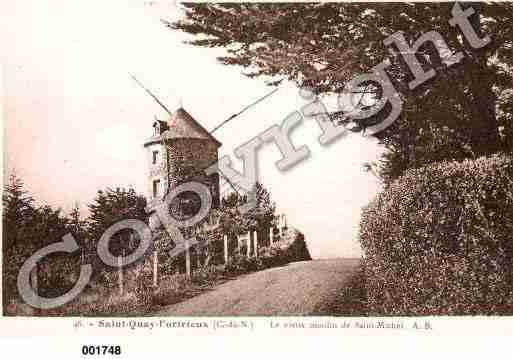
x=27 y=228
x=298 y=250
x=273 y=257
x=210 y=236
x=77 y=226
x=438 y=240
x=261 y=215
x=114 y=205
x=282 y=252
x=464 y=112
x=207 y=275
x=172 y=289
x=18 y=212
x=240 y=264
x=109 y=207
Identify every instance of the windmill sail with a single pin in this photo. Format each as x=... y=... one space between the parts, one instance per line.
x=151 y=94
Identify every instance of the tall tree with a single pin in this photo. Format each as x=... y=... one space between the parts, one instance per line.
x=49 y=226
x=26 y=229
x=18 y=211
x=261 y=215
x=111 y=206
x=78 y=227
x=17 y=216
x=464 y=112
x=76 y=224
x=263 y=212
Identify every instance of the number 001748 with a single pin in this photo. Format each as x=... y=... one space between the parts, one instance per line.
x=101 y=350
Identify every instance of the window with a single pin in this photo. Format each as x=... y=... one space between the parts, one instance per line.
x=156 y=188
x=155 y=156
x=156 y=129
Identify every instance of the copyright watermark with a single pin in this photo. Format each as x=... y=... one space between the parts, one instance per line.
x=278 y=134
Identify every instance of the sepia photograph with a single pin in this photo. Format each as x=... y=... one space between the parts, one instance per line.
x=326 y=160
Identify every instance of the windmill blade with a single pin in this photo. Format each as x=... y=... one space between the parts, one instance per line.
x=231 y=118
x=243 y=110
x=151 y=94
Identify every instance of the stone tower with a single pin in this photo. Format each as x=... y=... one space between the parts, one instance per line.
x=178 y=152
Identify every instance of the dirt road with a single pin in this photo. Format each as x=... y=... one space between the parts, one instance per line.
x=299 y=288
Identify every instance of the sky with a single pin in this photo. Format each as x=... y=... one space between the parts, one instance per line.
x=74 y=121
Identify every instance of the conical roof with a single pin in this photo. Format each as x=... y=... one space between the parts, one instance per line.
x=183 y=125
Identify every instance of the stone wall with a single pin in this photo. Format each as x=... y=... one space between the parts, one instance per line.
x=187 y=160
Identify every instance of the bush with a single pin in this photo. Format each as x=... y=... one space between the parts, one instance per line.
x=298 y=250
x=171 y=289
x=438 y=240
x=240 y=264
x=272 y=257
x=207 y=275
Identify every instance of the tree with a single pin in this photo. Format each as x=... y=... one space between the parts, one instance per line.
x=262 y=215
x=464 y=112
x=111 y=206
x=49 y=226
x=18 y=211
x=26 y=229
x=77 y=225
x=17 y=217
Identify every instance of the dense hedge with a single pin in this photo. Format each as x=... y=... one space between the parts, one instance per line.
x=439 y=240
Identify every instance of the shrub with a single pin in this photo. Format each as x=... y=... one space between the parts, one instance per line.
x=272 y=257
x=206 y=275
x=171 y=289
x=298 y=250
x=438 y=240
x=240 y=264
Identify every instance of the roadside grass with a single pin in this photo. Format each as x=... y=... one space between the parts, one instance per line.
x=140 y=298
x=351 y=301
